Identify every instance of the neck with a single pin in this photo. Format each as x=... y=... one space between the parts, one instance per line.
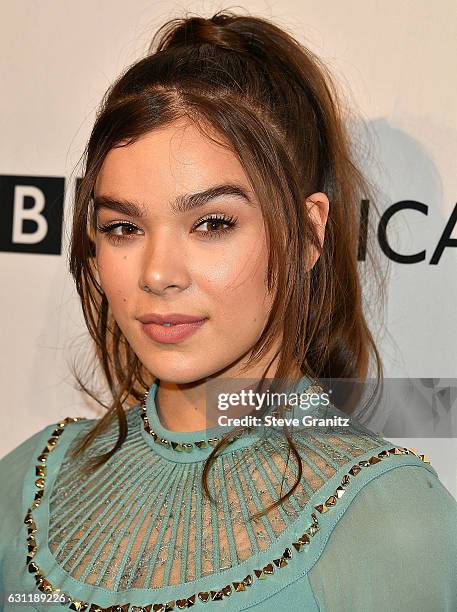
x=195 y=413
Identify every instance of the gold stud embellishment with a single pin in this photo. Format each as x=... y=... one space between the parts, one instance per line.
x=78 y=605
x=189 y=446
x=302 y=543
x=172 y=445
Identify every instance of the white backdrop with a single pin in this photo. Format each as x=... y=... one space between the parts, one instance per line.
x=395 y=62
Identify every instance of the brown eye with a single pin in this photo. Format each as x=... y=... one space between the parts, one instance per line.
x=109 y=228
x=216 y=225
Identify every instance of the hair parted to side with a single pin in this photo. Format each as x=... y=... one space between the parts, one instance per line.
x=273 y=102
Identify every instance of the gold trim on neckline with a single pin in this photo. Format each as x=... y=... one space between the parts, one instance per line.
x=205 y=443
x=262 y=573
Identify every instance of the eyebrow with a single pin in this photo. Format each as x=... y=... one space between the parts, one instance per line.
x=182 y=204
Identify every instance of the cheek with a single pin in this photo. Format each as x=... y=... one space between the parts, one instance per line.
x=238 y=285
x=115 y=274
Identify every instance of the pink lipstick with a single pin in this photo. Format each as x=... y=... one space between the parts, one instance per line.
x=171 y=328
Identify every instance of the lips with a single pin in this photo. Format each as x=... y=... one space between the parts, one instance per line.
x=172 y=333
x=170 y=319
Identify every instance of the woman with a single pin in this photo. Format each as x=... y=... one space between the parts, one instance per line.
x=214 y=242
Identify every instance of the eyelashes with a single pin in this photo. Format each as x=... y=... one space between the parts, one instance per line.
x=211 y=220
x=108 y=229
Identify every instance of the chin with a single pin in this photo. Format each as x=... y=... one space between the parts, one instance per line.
x=181 y=370
x=178 y=373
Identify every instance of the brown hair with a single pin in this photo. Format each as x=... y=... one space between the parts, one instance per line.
x=273 y=101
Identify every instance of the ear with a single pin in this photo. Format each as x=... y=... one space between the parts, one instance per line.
x=318 y=206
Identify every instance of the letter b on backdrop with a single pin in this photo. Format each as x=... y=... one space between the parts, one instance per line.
x=31 y=214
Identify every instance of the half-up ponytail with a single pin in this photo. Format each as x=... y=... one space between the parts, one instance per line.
x=221 y=30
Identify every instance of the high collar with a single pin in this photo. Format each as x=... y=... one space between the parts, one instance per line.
x=194 y=446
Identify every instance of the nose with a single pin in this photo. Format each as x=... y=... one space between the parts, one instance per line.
x=163 y=268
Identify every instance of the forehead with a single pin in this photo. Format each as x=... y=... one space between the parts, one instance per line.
x=168 y=161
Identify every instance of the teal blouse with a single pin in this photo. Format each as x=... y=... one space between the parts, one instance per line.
x=369 y=528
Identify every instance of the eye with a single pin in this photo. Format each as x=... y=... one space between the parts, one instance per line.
x=215 y=221
x=109 y=228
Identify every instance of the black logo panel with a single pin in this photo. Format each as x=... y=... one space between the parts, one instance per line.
x=31 y=214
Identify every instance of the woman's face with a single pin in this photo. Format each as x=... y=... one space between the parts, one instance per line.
x=207 y=261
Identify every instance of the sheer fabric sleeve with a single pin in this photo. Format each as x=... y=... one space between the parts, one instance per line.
x=394 y=548
x=13 y=468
